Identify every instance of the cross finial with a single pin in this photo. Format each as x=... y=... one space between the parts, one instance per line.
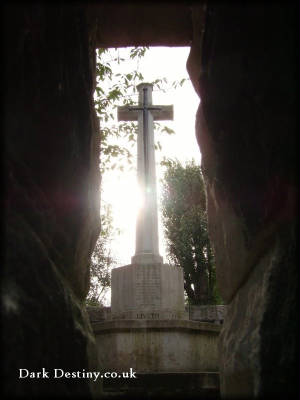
x=142 y=87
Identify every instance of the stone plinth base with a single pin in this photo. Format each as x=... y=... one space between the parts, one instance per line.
x=159 y=346
x=146 y=259
x=147 y=291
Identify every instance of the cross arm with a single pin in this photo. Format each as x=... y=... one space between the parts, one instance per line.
x=164 y=113
x=125 y=113
x=159 y=113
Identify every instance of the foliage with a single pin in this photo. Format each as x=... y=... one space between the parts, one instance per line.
x=114 y=89
x=102 y=261
x=186 y=231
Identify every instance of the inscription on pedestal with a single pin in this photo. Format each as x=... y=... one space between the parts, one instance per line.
x=148 y=287
x=147 y=316
x=147 y=292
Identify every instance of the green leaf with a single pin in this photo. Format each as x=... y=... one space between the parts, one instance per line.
x=168 y=130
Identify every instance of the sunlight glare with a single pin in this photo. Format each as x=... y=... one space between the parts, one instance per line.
x=121 y=189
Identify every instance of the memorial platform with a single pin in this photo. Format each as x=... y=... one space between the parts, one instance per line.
x=157 y=346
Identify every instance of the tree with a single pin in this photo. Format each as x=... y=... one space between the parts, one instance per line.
x=186 y=231
x=102 y=261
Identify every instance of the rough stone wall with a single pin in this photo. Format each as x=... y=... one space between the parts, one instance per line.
x=52 y=195
x=121 y=24
x=243 y=65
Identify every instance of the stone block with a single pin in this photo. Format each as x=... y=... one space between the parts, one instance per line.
x=209 y=313
x=152 y=346
x=153 y=291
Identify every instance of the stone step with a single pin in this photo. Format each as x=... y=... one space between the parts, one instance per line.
x=167 y=385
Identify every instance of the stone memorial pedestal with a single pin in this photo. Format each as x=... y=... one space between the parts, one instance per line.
x=149 y=331
x=147 y=291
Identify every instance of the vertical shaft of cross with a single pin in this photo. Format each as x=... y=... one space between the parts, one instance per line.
x=145 y=132
x=147 y=243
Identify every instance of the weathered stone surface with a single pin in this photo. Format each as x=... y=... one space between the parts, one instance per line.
x=139 y=24
x=97 y=314
x=240 y=354
x=52 y=196
x=45 y=326
x=179 y=325
x=242 y=66
x=166 y=385
x=210 y=313
x=266 y=331
x=247 y=161
x=153 y=291
x=157 y=345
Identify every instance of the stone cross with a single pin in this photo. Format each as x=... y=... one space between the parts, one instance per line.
x=147 y=250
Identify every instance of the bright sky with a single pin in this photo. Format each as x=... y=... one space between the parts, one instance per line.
x=120 y=188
